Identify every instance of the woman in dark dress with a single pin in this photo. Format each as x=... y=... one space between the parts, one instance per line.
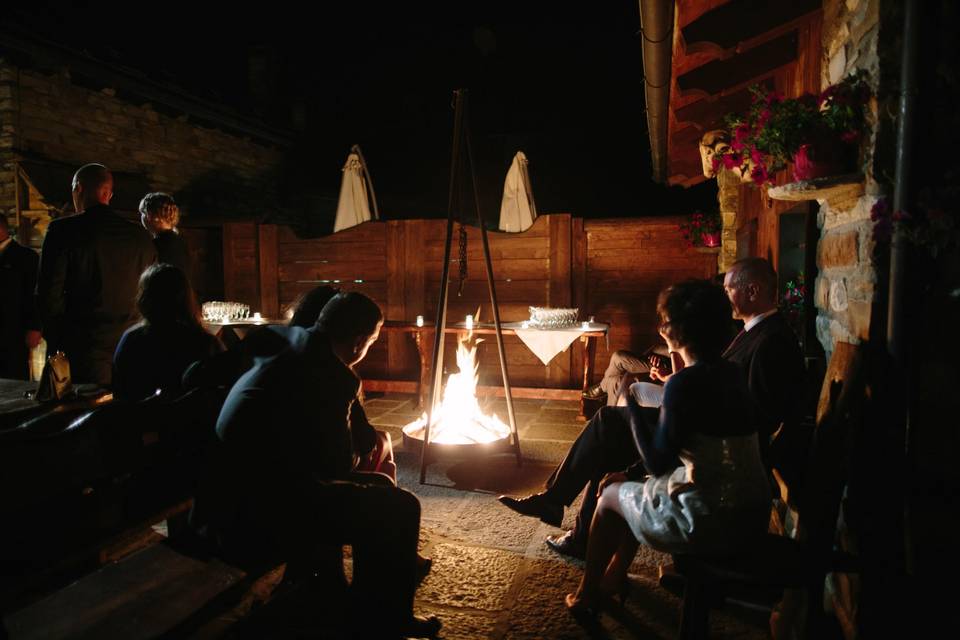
x=718 y=500
x=160 y=216
x=153 y=354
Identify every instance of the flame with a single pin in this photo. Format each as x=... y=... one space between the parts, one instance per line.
x=458 y=419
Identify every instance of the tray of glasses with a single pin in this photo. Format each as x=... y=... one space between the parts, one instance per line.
x=552 y=317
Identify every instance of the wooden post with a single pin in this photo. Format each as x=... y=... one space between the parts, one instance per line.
x=578 y=285
x=436 y=368
x=269 y=270
x=558 y=371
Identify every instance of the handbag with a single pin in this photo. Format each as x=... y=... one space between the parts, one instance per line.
x=55 y=383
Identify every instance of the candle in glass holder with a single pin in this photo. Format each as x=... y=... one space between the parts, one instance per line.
x=469 y=322
x=419 y=321
x=257 y=317
x=585 y=326
x=524 y=325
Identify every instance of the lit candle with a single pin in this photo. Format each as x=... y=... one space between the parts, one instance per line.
x=586 y=326
x=469 y=322
x=257 y=317
x=419 y=321
x=524 y=325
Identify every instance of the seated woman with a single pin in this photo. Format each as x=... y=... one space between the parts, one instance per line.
x=719 y=500
x=153 y=354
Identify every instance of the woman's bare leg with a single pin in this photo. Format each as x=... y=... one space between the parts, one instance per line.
x=609 y=535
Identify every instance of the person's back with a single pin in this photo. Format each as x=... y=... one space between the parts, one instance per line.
x=153 y=355
x=716 y=435
x=153 y=358
x=89 y=269
x=288 y=416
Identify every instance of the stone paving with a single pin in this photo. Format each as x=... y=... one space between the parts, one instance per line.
x=492 y=575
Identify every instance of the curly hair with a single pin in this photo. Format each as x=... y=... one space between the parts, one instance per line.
x=161 y=207
x=696 y=315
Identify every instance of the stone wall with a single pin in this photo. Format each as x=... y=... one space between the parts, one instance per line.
x=844 y=288
x=48 y=115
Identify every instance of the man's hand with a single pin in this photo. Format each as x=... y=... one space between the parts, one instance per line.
x=661 y=375
x=676 y=362
x=611 y=478
x=32 y=338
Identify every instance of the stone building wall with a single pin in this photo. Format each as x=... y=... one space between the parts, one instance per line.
x=48 y=115
x=844 y=288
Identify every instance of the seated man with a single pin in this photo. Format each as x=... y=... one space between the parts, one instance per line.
x=283 y=475
x=768 y=354
x=373 y=448
x=624 y=368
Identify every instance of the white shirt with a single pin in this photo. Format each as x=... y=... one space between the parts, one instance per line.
x=755 y=320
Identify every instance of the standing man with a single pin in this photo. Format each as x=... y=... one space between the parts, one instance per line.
x=19 y=321
x=769 y=356
x=90 y=265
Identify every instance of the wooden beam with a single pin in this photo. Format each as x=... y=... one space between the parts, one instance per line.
x=396 y=288
x=269 y=271
x=558 y=372
x=578 y=278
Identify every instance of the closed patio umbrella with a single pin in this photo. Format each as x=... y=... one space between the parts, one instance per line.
x=356 y=194
x=517 y=209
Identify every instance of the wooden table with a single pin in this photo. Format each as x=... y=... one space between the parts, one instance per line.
x=16 y=408
x=233 y=331
x=423 y=337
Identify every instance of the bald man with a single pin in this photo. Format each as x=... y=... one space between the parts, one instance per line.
x=90 y=264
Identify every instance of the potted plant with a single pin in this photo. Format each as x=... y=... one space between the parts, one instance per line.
x=818 y=134
x=792 y=303
x=702 y=229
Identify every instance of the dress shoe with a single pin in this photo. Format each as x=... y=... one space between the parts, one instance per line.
x=567 y=545
x=536 y=505
x=420 y=627
x=595 y=392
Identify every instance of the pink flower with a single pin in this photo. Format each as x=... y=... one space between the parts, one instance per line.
x=759 y=174
x=730 y=161
x=774 y=97
x=741 y=132
x=765 y=116
x=755 y=156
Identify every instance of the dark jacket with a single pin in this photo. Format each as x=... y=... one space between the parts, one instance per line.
x=151 y=357
x=286 y=423
x=89 y=269
x=769 y=354
x=18 y=311
x=172 y=249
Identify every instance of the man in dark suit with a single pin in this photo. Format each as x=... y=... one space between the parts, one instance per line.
x=283 y=473
x=90 y=265
x=19 y=321
x=768 y=354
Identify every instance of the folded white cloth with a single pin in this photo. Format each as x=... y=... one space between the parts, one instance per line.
x=547 y=343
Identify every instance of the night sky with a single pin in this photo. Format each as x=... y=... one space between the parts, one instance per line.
x=562 y=83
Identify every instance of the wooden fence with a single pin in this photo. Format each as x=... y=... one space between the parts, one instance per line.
x=612 y=269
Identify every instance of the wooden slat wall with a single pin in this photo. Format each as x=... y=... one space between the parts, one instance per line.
x=628 y=263
x=612 y=269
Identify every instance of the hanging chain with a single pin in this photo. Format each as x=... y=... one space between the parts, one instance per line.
x=463 y=259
